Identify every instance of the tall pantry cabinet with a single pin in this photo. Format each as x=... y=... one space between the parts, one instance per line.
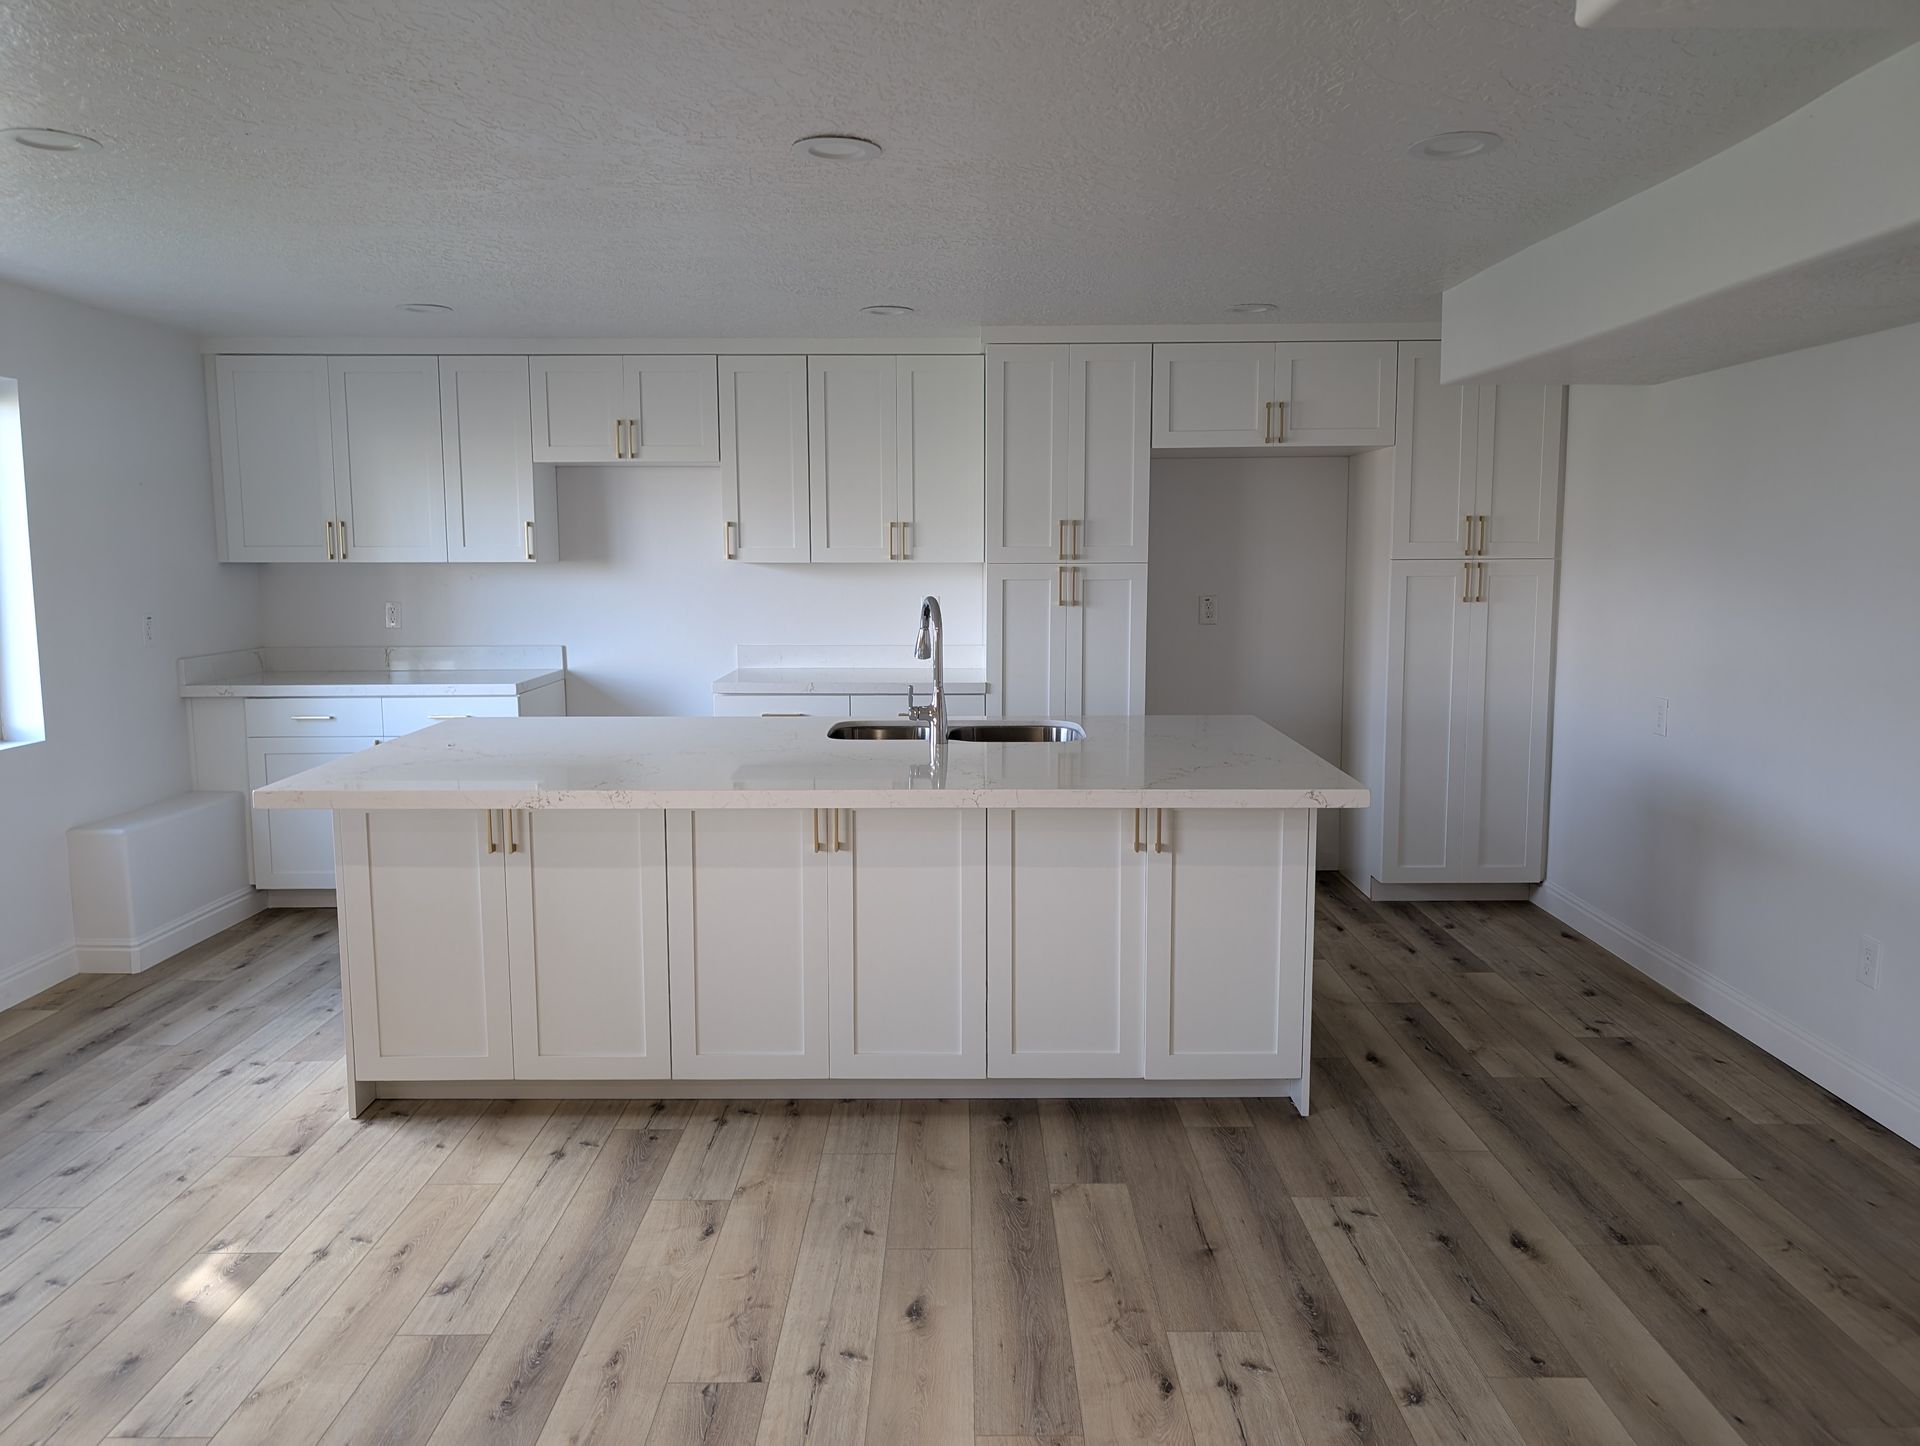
x=1453 y=547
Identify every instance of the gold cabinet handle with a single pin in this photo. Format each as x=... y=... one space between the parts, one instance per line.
x=343 y=539
x=1076 y=585
x=1159 y=830
x=1270 y=437
x=1466 y=548
x=903 y=541
x=726 y=542
x=1076 y=539
x=1139 y=843
x=1481 y=569
x=1483 y=534
x=1466 y=582
x=310 y=718
x=819 y=844
x=1063 y=539
x=513 y=844
x=332 y=556
x=839 y=844
x=529 y=539
x=1060 y=588
x=493 y=844
x=1280 y=423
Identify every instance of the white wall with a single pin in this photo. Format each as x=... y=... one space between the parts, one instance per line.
x=120 y=505
x=647 y=606
x=1747 y=544
x=1267 y=537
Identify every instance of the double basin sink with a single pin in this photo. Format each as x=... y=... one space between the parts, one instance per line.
x=874 y=730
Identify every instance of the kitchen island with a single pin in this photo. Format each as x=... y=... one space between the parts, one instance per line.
x=748 y=906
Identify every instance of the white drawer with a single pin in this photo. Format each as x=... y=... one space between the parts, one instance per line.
x=410 y=715
x=782 y=705
x=313 y=717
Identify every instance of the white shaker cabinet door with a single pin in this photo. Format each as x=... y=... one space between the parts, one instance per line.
x=672 y=409
x=853 y=448
x=763 y=458
x=389 y=478
x=579 y=408
x=1027 y=640
x=1502 y=826
x=1029 y=496
x=493 y=513
x=274 y=428
x=1430 y=720
x=1064 y=939
x=907 y=916
x=747 y=943
x=1521 y=456
x=1213 y=394
x=293 y=847
x=939 y=439
x=423 y=910
x=1109 y=451
x=1106 y=622
x=1229 y=941
x=1436 y=459
x=587 y=930
x=1335 y=393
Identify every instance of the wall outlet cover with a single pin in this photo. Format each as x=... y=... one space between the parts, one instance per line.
x=1209 y=610
x=1660 y=717
x=1869 y=970
x=393 y=615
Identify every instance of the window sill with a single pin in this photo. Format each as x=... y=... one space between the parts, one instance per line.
x=12 y=745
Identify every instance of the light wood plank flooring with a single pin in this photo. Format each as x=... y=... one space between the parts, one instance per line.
x=1539 y=1203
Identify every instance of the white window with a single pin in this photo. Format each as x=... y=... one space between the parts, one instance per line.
x=21 y=717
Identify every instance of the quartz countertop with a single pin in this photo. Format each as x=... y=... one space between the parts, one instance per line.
x=379 y=683
x=901 y=680
x=642 y=763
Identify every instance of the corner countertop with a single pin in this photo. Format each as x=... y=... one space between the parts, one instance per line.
x=649 y=763
x=395 y=683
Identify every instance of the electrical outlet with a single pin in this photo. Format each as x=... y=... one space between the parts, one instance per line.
x=393 y=615
x=1869 y=971
x=147 y=632
x=1209 y=610
x=1660 y=717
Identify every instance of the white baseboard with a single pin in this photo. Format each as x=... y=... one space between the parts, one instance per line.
x=131 y=956
x=23 y=981
x=1874 y=1094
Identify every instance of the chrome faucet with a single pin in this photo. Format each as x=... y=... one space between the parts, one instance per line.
x=927 y=644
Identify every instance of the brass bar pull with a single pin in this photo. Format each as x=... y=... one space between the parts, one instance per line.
x=1466 y=582
x=1076 y=539
x=1466 y=548
x=1267 y=435
x=1076 y=585
x=892 y=556
x=819 y=844
x=1139 y=843
x=1063 y=539
x=839 y=845
x=726 y=536
x=331 y=555
x=513 y=844
x=1483 y=534
x=1280 y=429
x=619 y=438
x=1159 y=830
x=529 y=539
x=1481 y=568
x=310 y=718
x=493 y=844
x=903 y=542
x=343 y=539
x=1060 y=588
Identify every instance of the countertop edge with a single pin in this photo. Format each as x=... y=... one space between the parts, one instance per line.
x=379 y=801
x=318 y=687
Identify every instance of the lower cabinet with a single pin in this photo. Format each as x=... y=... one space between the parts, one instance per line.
x=293 y=848
x=828 y=943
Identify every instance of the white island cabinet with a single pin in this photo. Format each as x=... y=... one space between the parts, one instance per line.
x=734 y=906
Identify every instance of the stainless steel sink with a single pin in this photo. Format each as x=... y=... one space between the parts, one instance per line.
x=1016 y=732
x=880 y=730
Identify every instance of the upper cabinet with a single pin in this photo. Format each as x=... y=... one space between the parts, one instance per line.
x=499 y=505
x=1068 y=453
x=1256 y=397
x=389 y=488
x=1478 y=469
x=273 y=433
x=613 y=409
x=851 y=458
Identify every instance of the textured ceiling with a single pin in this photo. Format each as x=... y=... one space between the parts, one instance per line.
x=623 y=167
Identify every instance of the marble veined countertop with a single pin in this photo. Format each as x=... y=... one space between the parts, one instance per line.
x=916 y=678
x=637 y=763
x=398 y=683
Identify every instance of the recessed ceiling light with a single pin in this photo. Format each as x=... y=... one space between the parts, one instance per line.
x=1456 y=145
x=425 y=308
x=887 y=308
x=34 y=138
x=1253 y=308
x=837 y=148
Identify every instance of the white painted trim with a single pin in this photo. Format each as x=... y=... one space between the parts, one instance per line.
x=1220 y=331
x=831 y=1089
x=1861 y=1085
x=23 y=981
x=965 y=344
x=131 y=956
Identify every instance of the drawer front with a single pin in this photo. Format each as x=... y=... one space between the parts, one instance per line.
x=313 y=717
x=410 y=715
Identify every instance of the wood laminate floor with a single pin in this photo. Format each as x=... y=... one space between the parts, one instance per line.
x=1539 y=1201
